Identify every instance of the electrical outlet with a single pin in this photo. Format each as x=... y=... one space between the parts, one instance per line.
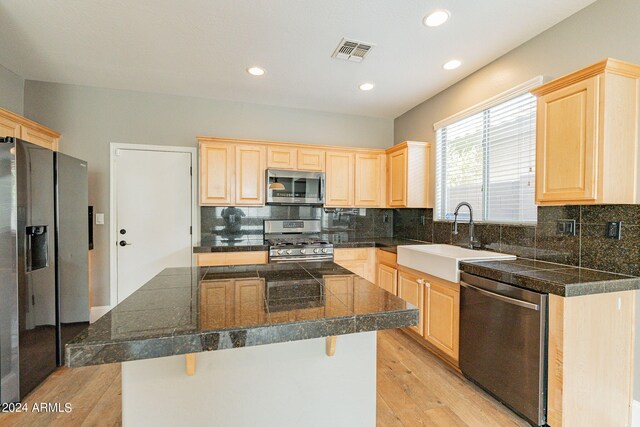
x=423 y=220
x=614 y=230
x=385 y=218
x=566 y=227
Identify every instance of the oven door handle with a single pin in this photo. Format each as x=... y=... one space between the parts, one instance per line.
x=302 y=259
x=503 y=298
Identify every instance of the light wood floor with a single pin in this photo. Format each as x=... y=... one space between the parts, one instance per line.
x=414 y=389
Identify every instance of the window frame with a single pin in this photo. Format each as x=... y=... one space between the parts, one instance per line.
x=441 y=127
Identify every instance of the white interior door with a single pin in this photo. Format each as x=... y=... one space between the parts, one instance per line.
x=153 y=215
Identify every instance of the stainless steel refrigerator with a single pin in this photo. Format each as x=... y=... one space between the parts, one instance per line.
x=43 y=262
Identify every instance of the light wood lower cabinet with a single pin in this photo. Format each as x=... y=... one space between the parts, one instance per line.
x=360 y=261
x=442 y=316
x=411 y=290
x=388 y=278
x=231 y=258
x=591 y=359
x=439 y=303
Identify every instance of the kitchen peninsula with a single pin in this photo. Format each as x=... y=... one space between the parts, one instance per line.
x=300 y=341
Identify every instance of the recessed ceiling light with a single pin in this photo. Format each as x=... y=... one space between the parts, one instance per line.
x=255 y=71
x=436 y=18
x=452 y=65
x=366 y=86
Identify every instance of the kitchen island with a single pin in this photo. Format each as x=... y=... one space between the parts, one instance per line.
x=299 y=341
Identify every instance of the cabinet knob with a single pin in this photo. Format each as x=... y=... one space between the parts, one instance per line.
x=420 y=281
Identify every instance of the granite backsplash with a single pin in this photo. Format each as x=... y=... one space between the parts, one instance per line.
x=589 y=247
x=228 y=223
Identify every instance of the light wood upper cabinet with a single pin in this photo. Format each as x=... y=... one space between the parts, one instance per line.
x=408 y=182
x=216 y=173
x=442 y=316
x=410 y=290
x=14 y=125
x=311 y=159
x=340 y=179
x=9 y=127
x=281 y=157
x=586 y=132
x=369 y=180
x=249 y=175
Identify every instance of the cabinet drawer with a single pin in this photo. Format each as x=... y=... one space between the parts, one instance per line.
x=231 y=258
x=387 y=258
x=352 y=254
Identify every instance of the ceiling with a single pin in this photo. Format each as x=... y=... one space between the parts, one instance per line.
x=202 y=47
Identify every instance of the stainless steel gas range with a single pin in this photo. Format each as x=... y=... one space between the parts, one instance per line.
x=296 y=240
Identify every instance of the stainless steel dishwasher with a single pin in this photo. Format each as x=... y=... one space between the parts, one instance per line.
x=503 y=343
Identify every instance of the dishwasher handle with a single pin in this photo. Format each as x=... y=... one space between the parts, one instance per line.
x=503 y=298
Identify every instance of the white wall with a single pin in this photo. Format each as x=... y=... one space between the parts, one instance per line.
x=607 y=28
x=90 y=118
x=11 y=91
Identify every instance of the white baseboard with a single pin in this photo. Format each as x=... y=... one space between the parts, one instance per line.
x=98 y=312
x=635 y=414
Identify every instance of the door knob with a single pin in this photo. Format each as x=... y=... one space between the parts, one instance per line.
x=123 y=231
x=124 y=243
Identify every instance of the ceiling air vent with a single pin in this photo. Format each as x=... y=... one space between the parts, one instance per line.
x=352 y=50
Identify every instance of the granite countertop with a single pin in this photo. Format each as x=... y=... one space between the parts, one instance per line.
x=547 y=277
x=255 y=242
x=189 y=310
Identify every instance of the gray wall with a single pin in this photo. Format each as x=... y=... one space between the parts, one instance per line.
x=91 y=118
x=11 y=91
x=607 y=28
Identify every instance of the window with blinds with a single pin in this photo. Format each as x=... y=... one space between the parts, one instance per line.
x=487 y=158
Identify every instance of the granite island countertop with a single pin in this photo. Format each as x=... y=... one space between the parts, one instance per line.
x=547 y=277
x=190 y=310
x=254 y=242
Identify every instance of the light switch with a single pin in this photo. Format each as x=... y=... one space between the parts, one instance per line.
x=99 y=219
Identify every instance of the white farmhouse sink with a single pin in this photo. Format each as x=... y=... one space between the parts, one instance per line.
x=443 y=260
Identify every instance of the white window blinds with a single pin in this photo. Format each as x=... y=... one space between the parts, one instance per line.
x=487 y=158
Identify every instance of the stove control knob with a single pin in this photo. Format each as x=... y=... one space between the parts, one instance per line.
x=279 y=251
x=324 y=250
x=302 y=251
x=316 y=251
x=289 y=251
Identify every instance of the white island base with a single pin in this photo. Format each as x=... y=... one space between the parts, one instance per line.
x=285 y=384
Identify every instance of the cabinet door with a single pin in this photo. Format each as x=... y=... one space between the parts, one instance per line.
x=249 y=302
x=413 y=292
x=310 y=159
x=369 y=173
x=39 y=138
x=566 y=150
x=339 y=180
x=397 y=186
x=216 y=164
x=216 y=299
x=442 y=317
x=388 y=278
x=250 y=175
x=9 y=128
x=281 y=157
